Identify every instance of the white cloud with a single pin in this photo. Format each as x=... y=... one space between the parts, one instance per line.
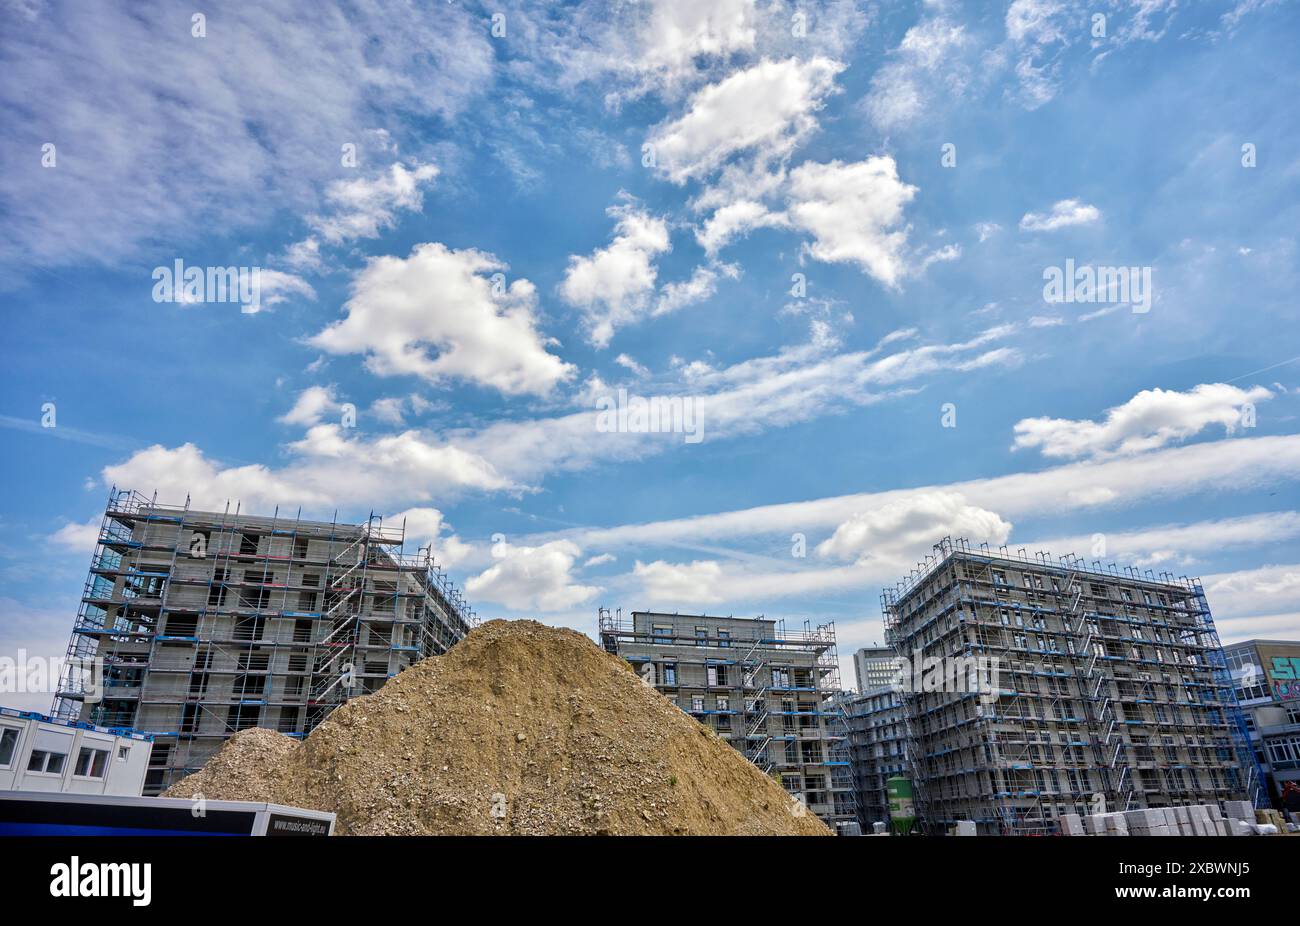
x=734 y=220
x=328 y=469
x=389 y=410
x=1064 y=214
x=365 y=206
x=1037 y=30
x=276 y=89
x=1234 y=465
x=689 y=582
x=1261 y=591
x=276 y=286
x=600 y=560
x=1170 y=545
x=1153 y=418
x=331 y=466
x=77 y=538
x=767 y=109
x=852 y=212
x=912 y=525
x=313 y=404
x=628 y=363
x=438 y=299
x=424 y=528
x=798 y=384
x=1035 y=21
x=987 y=230
x=923 y=70
x=532 y=578
x=613 y=285
x=701 y=285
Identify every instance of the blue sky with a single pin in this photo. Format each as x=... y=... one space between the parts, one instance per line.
x=824 y=226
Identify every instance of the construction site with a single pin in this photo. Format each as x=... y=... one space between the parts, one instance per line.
x=208 y=623
x=284 y=665
x=1111 y=692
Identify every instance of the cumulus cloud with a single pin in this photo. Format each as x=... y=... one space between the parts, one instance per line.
x=613 y=285
x=312 y=405
x=852 y=211
x=912 y=525
x=424 y=528
x=1151 y=419
x=438 y=300
x=328 y=469
x=532 y=578
x=735 y=220
x=766 y=109
x=1065 y=213
x=77 y=538
x=362 y=207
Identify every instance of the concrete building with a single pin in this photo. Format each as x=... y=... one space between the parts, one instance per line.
x=40 y=753
x=877 y=750
x=1110 y=690
x=198 y=624
x=875 y=667
x=770 y=692
x=1267 y=677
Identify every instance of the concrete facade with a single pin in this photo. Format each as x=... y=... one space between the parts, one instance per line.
x=1111 y=693
x=206 y=623
x=770 y=692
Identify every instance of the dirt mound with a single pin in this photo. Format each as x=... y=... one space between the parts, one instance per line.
x=519 y=729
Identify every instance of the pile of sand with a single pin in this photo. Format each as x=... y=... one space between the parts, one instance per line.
x=519 y=729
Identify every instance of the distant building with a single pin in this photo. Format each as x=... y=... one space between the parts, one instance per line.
x=772 y=693
x=877 y=750
x=40 y=753
x=1109 y=689
x=1267 y=676
x=875 y=667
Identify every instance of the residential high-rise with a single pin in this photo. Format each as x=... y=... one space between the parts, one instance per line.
x=1267 y=678
x=1110 y=691
x=772 y=693
x=210 y=622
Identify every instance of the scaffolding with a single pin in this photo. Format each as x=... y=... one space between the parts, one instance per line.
x=1103 y=701
x=769 y=691
x=211 y=622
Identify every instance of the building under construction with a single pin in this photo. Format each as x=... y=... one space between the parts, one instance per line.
x=1110 y=691
x=877 y=750
x=211 y=622
x=770 y=692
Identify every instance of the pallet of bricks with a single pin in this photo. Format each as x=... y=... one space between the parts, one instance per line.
x=1237 y=818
